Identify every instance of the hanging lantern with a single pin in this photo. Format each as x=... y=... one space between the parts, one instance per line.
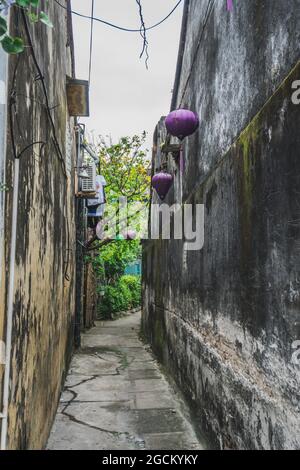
x=130 y=235
x=229 y=5
x=119 y=237
x=162 y=183
x=182 y=123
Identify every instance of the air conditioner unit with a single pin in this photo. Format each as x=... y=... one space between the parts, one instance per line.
x=89 y=184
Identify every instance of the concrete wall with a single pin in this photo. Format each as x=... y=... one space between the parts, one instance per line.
x=3 y=120
x=223 y=320
x=43 y=321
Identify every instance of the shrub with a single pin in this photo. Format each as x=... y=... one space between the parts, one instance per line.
x=133 y=283
x=121 y=296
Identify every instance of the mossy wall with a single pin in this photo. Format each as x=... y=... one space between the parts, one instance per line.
x=223 y=319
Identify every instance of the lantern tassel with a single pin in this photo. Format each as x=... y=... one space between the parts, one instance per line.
x=182 y=161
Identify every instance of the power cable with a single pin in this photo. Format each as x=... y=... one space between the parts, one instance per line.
x=59 y=153
x=100 y=20
x=143 y=34
x=91 y=40
x=42 y=79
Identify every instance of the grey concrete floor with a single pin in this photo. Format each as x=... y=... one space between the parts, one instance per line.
x=116 y=397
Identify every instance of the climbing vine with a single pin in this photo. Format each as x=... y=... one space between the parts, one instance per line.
x=15 y=45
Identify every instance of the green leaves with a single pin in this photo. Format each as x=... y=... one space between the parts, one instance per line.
x=15 y=45
x=3 y=26
x=27 y=3
x=42 y=17
x=9 y=44
x=45 y=19
x=121 y=296
x=33 y=17
x=23 y=3
x=115 y=257
x=124 y=166
x=3 y=187
x=12 y=45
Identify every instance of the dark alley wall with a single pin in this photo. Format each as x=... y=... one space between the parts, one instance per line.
x=43 y=322
x=223 y=320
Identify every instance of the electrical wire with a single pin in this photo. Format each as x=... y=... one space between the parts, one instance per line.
x=107 y=23
x=143 y=34
x=13 y=104
x=40 y=77
x=48 y=109
x=91 y=40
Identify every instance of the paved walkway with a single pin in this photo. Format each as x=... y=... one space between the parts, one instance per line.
x=115 y=397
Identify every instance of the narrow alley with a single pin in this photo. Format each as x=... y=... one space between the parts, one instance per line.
x=116 y=397
x=149 y=228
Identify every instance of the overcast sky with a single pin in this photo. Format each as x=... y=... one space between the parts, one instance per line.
x=126 y=98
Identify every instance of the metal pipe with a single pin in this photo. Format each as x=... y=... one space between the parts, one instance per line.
x=9 y=320
x=92 y=154
x=4 y=411
x=3 y=127
x=3 y=143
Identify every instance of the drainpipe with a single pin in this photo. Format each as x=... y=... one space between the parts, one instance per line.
x=3 y=128
x=79 y=252
x=11 y=285
x=9 y=320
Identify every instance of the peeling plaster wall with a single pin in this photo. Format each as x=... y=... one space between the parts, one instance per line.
x=44 y=307
x=223 y=320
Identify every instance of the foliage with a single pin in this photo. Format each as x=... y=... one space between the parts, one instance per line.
x=125 y=168
x=116 y=256
x=133 y=283
x=122 y=296
x=15 y=45
x=121 y=292
x=3 y=187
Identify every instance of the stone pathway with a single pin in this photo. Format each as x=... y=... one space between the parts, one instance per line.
x=116 y=398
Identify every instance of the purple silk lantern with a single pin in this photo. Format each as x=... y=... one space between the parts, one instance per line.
x=229 y=5
x=182 y=123
x=162 y=182
x=130 y=235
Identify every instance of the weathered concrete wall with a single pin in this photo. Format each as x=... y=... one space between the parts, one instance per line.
x=223 y=319
x=44 y=308
x=3 y=121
